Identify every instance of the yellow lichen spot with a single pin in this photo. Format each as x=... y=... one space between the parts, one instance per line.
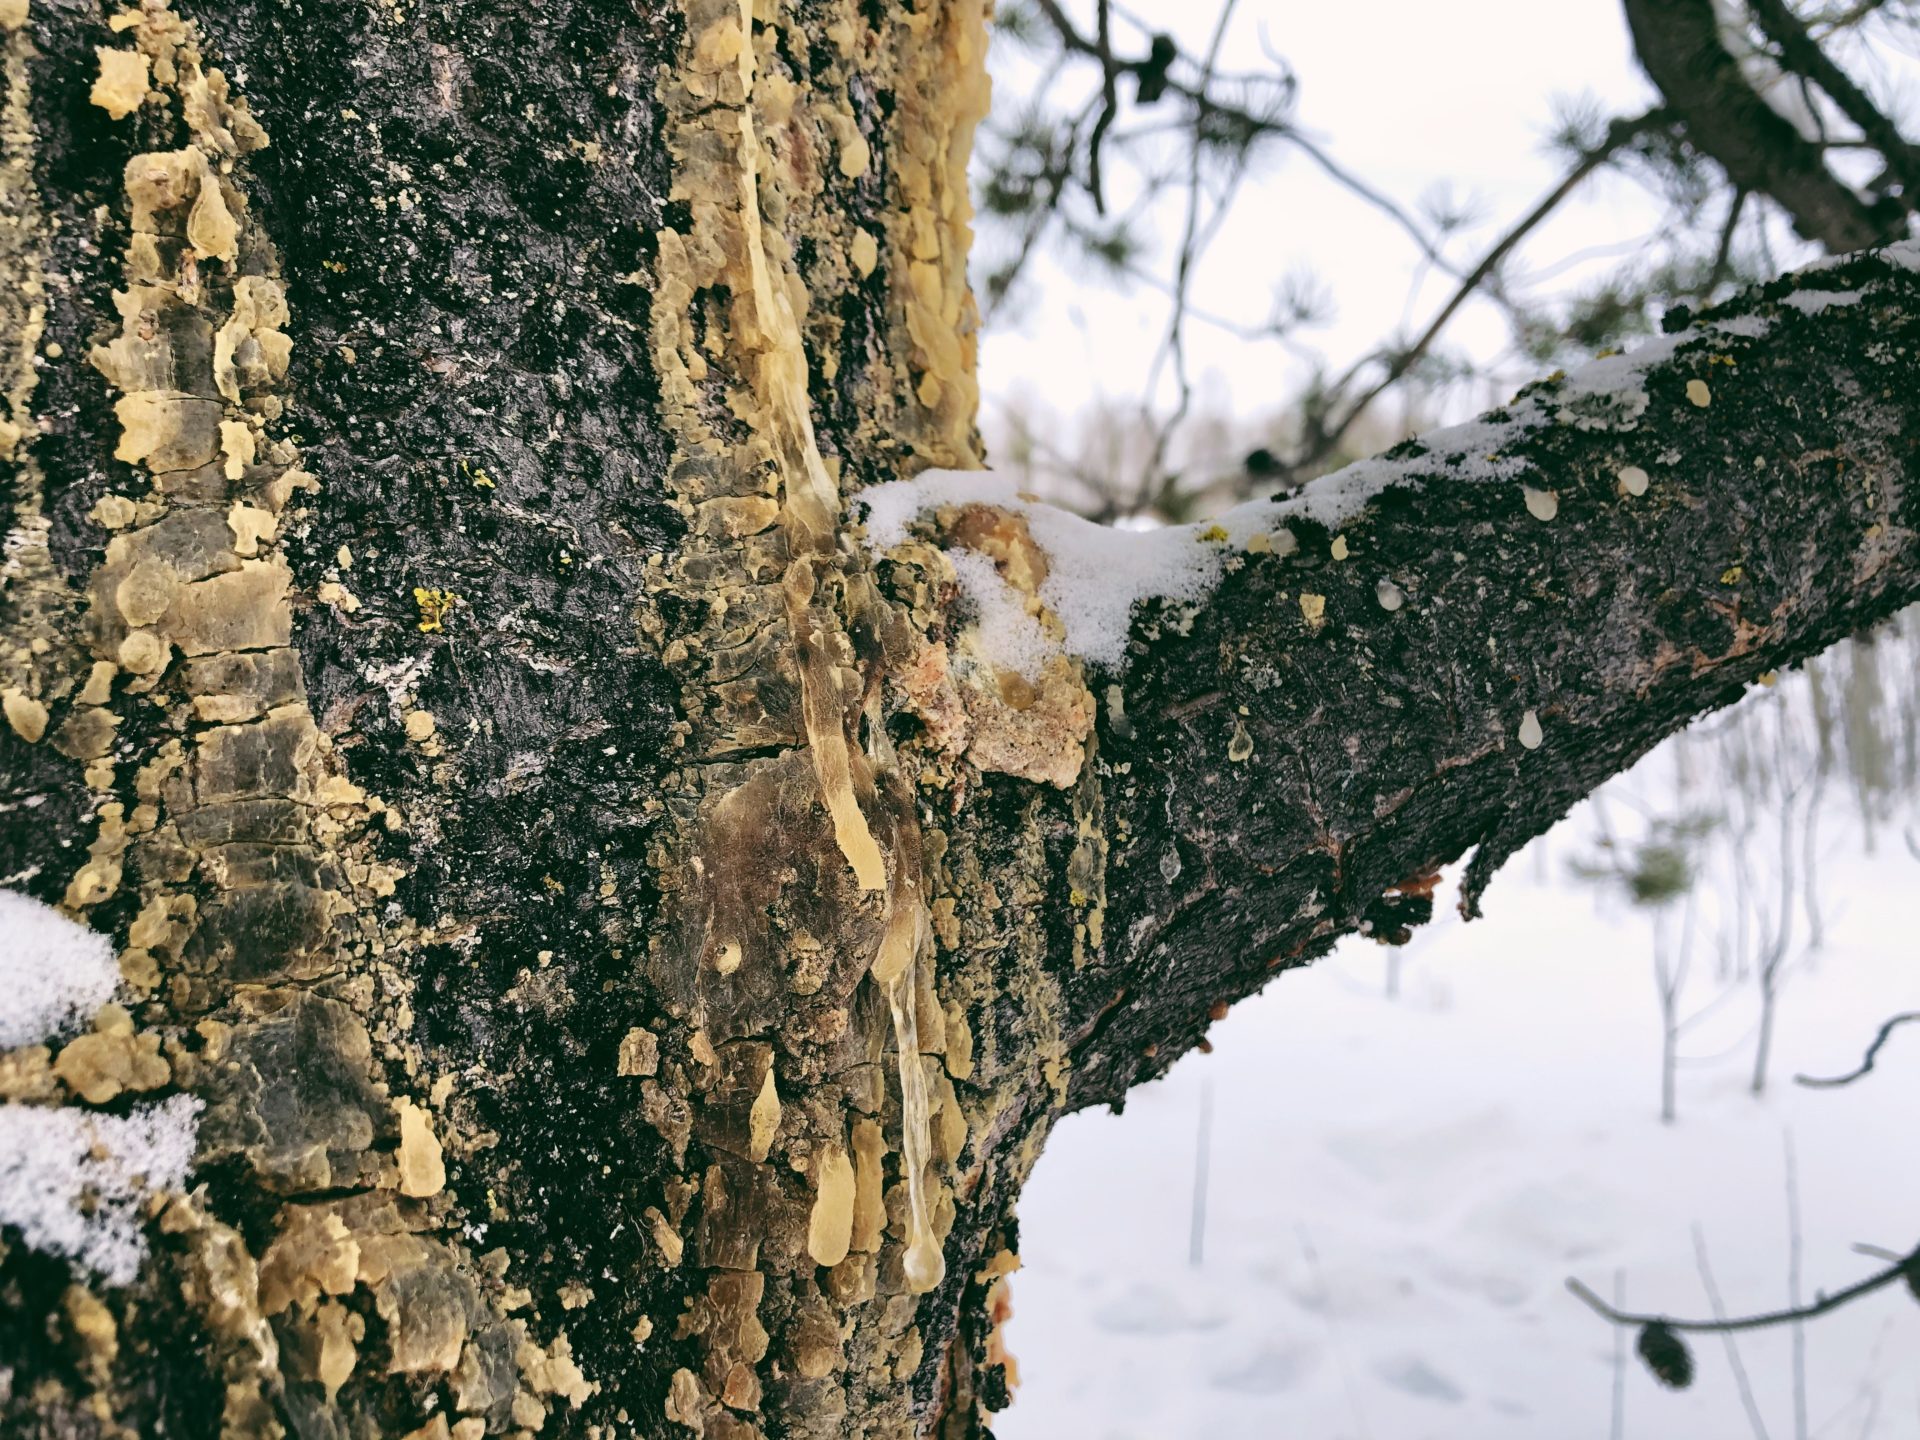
x=169 y=432
x=419 y=725
x=422 y=1171
x=865 y=253
x=1633 y=480
x=339 y=1329
x=869 y=1205
x=672 y=1245
x=763 y=1120
x=237 y=440
x=122 y=86
x=1530 y=732
x=26 y=715
x=1733 y=574
x=642 y=1330
x=211 y=228
x=332 y=592
x=1339 y=547
x=1541 y=504
x=13 y=14
x=435 y=605
x=1240 y=745
x=1214 y=534
x=112 y=1060
x=112 y=512
x=830 y=1228
x=856 y=155
x=250 y=525
x=1313 y=608
x=1766 y=678
x=701 y=1048
x=1261 y=543
x=143 y=652
x=1699 y=394
x=99 y=687
x=639 y=1053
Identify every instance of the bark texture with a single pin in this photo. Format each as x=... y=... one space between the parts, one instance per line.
x=438 y=651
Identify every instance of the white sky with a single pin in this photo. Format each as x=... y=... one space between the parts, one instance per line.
x=1405 y=93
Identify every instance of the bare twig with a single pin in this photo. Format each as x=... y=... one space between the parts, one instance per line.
x=1733 y=1346
x=1824 y=1305
x=1618 y=134
x=1202 y=1154
x=1793 y=1288
x=1109 y=104
x=1866 y=1061
x=1617 y=1428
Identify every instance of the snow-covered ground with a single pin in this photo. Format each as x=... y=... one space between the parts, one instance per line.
x=1399 y=1189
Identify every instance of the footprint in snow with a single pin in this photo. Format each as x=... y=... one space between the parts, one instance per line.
x=1411 y=1375
x=1270 y=1368
x=1151 y=1310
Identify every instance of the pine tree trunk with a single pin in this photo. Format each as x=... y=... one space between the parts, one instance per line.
x=437 y=649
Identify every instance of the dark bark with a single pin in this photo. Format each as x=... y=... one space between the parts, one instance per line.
x=1678 y=43
x=1804 y=56
x=1778 y=519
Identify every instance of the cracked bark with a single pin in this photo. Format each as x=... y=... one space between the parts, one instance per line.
x=624 y=976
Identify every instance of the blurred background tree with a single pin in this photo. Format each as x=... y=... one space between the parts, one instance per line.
x=1120 y=154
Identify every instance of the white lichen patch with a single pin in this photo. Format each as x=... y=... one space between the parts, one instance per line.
x=1633 y=480
x=1530 y=733
x=1698 y=393
x=1390 y=595
x=54 y=971
x=1541 y=504
x=74 y=1182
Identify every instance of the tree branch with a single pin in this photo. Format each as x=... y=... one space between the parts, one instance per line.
x=1825 y=1305
x=1866 y=1061
x=1804 y=56
x=1678 y=43
x=1339 y=720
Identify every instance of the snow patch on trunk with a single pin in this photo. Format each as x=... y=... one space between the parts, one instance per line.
x=73 y=1181
x=1097 y=573
x=54 y=971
